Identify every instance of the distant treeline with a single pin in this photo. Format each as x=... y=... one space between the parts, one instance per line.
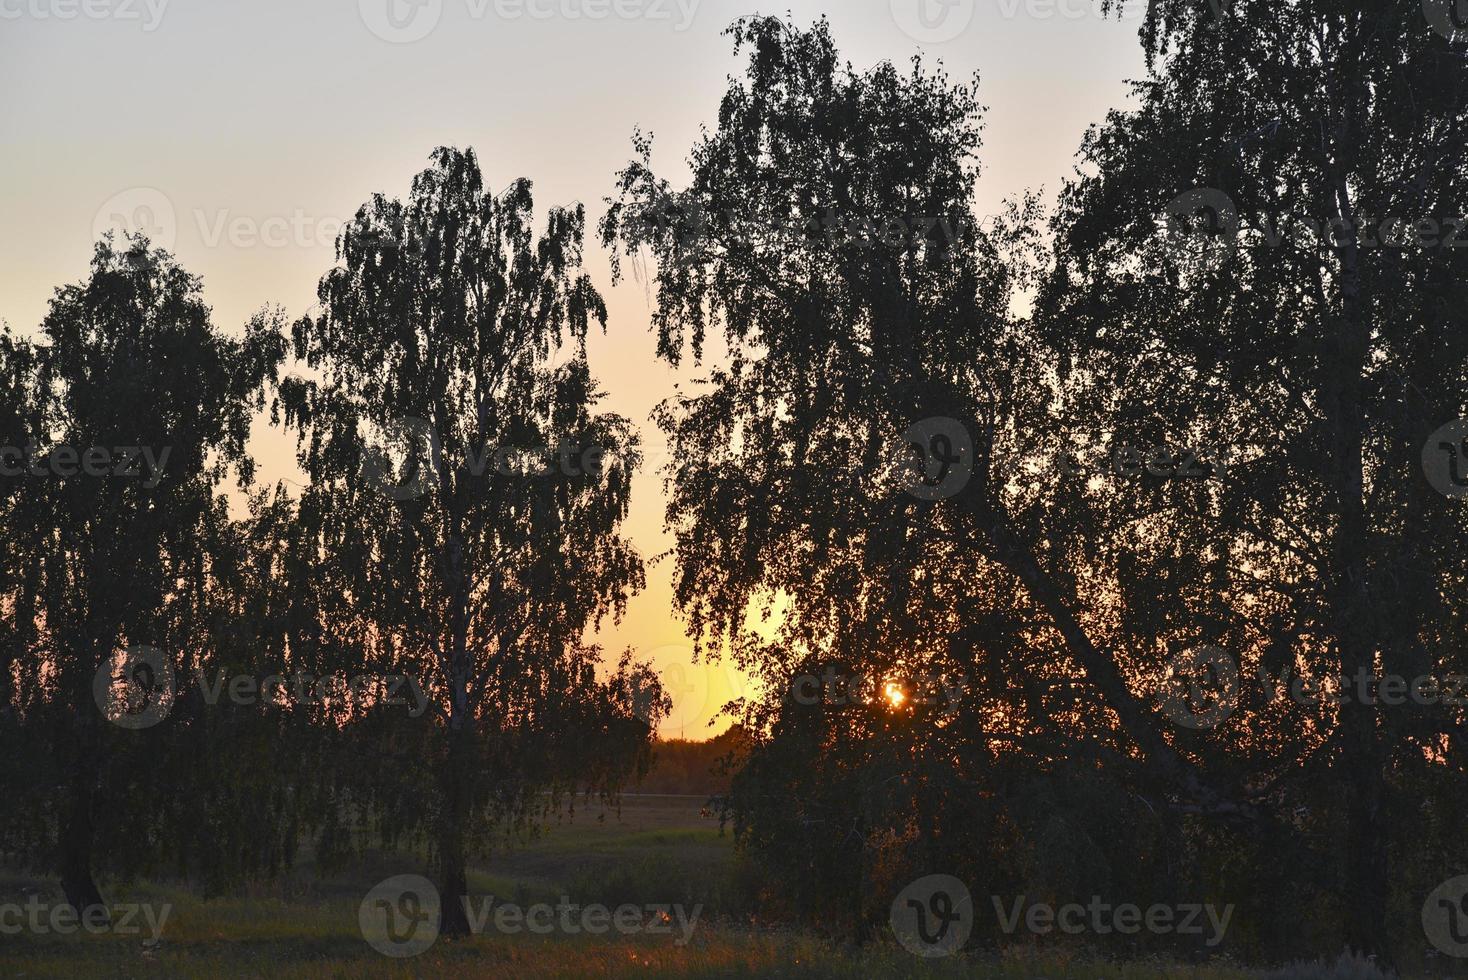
x=696 y=768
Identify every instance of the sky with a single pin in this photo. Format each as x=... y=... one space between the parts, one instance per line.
x=240 y=135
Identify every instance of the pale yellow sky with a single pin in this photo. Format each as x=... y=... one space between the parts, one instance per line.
x=243 y=133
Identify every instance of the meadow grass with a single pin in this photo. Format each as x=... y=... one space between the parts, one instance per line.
x=657 y=849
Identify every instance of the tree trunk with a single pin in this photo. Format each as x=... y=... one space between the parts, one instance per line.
x=1353 y=598
x=87 y=758
x=458 y=774
x=77 y=883
x=1366 y=846
x=453 y=864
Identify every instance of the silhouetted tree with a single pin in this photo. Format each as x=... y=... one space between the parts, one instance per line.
x=997 y=568
x=132 y=409
x=828 y=234
x=18 y=406
x=451 y=339
x=1303 y=307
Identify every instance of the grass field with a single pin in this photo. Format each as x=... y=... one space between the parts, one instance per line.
x=657 y=850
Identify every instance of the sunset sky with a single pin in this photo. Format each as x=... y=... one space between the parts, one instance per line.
x=242 y=134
